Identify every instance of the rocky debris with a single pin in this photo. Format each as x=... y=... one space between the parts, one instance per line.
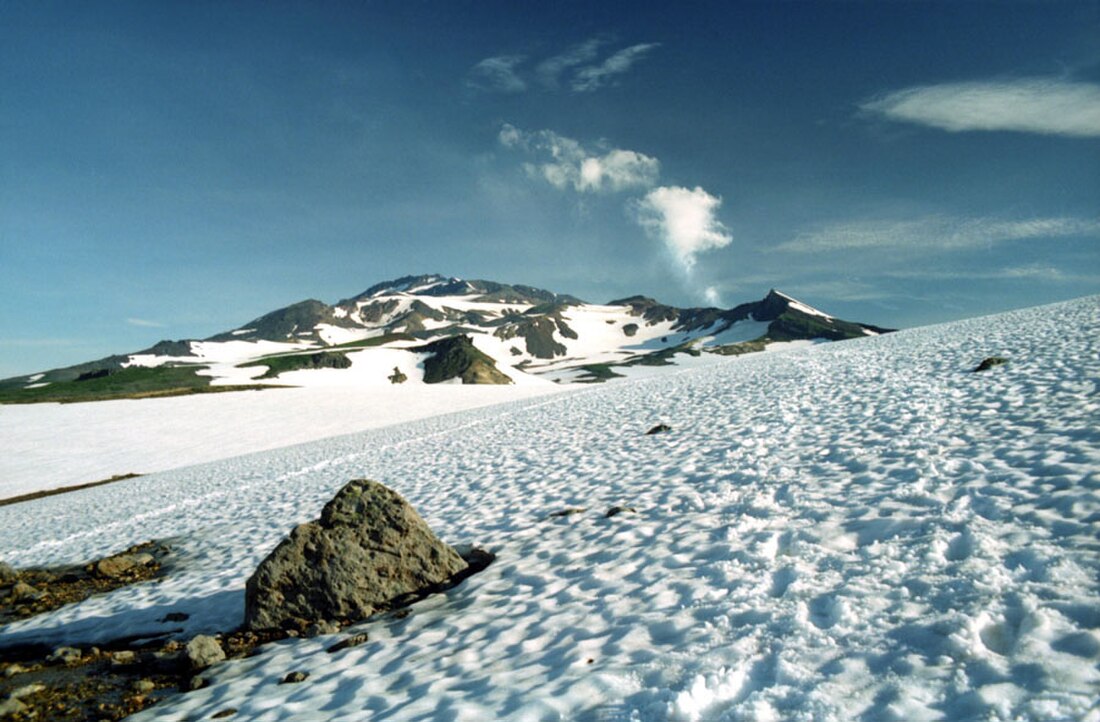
x=119 y=565
x=323 y=627
x=988 y=363
x=295 y=678
x=397 y=377
x=203 y=652
x=8 y=575
x=659 y=429
x=144 y=686
x=123 y=658
x=23 y=592
x=33 y=591
x=368 y=549
x=570 y=511
x=616 y=510
x=347 y=643
x=65 y=655
x=11 y=707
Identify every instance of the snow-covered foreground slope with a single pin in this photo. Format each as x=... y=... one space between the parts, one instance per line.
x=862 y=530
x=55 y=445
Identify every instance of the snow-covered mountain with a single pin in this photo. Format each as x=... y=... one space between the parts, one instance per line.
x=431 y=328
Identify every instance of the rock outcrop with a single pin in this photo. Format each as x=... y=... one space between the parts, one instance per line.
x=368 y=549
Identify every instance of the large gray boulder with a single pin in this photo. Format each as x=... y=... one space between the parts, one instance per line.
x=369 y=548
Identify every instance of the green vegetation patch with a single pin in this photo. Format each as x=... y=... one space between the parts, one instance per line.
x=457 y=357
x=128 y=383
x=294 y=362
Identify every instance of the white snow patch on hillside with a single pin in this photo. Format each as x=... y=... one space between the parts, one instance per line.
x=804 y=308
x=739 y=332
x=335 y=335
x=857 y=531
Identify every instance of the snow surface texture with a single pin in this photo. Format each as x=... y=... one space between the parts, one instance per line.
x=55 y=445
x=854 y=531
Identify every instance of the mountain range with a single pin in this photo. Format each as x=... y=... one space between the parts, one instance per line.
x=433 y=329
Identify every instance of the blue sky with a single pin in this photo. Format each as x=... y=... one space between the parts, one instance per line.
x=173 y=170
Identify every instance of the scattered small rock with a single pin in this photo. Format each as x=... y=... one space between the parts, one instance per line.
x=353 y=641
x=568 y=512
x=227 y=712
x=65 y=655
x=196 y=683
x=202 y=652
x=123 y=658
x=26 y=691
x=988 y=363
x=616 y=510
x=7 y=573
x=11 y=707
x=23 y=592
x=175 y=617
x=120 y=564
x=295 y=677
x=397 y=377
x=659 y=429
x=318 y=629
x=13 y=669
x=144 y=686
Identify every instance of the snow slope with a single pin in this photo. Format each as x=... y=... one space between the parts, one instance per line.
x=48 y=446
x=863 y=530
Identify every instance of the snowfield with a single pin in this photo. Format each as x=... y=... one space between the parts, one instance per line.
x=854 y=531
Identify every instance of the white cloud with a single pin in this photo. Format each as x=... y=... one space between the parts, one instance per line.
x=497 y=74
x=594 y=77
x=568 y=164
x=935 y=233
x=550 y=70
x=712 y=296
x=1030 y=105
x=144 y=323
x=684 y=220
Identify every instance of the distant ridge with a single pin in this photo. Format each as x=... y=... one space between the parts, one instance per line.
x=392 y=332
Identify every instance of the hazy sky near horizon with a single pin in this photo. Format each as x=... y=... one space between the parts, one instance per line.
x=173 y=170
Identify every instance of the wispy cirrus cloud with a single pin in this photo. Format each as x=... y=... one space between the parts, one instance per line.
x=578 y=68
x=144 y=323
x=935 y=232
x=565 y=163
x=1033 y=272
x=594 y=77
x=1029 y=105
x=549 y=71
x=685 y=221
x=497 y=74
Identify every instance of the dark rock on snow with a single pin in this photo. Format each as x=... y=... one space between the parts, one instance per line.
x=567 y=512
x=659 y=429
x=369 y=548
x=616 y=510
x=990 y=362
x=347 y=643
x=295 y=677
